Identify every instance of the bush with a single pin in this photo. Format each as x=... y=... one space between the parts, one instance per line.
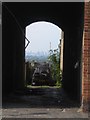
x=54 y=59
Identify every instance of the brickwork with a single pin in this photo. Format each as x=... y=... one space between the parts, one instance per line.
x=86 y=59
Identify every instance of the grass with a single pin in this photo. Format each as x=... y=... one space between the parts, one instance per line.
x=44 y=86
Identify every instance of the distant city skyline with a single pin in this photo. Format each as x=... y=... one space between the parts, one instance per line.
x=38 y=53
x=42 y=36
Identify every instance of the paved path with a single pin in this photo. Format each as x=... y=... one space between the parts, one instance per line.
x=43 y=113
x=41 y=103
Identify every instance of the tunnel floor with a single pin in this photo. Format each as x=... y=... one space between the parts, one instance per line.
x=40 y=103
x=41 y=97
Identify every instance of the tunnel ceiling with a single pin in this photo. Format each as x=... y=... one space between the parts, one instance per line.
x=62 y=14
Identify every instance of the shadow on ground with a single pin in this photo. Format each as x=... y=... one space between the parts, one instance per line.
x=39 y=98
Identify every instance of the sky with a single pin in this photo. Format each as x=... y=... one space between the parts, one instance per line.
x=40 y=35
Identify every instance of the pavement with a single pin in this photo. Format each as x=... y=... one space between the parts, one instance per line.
x=48 y=103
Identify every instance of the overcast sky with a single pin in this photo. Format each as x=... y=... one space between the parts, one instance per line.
x=40 y=35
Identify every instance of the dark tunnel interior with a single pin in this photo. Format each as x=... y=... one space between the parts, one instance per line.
x=16 y=16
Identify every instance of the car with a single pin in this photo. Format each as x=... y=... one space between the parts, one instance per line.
x=41 y=75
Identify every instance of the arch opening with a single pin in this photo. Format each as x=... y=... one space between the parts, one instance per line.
x=43 y=54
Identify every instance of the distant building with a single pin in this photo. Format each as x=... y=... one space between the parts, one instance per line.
x=61 y=50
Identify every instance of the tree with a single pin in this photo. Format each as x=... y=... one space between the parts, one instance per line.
x=54 y=59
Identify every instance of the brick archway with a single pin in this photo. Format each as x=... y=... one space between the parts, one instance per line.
x=74 y=19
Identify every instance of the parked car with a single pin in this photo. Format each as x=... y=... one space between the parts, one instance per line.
x=41 y=75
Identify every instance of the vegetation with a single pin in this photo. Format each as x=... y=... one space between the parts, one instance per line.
x=54 y=59
x=43 y=86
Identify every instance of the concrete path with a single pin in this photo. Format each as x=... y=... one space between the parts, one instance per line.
x=43 y=113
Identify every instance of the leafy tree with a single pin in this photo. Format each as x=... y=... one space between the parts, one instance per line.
x=54 y=59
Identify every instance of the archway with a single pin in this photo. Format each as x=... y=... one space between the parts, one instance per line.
x=45 y=40
x=67 y=16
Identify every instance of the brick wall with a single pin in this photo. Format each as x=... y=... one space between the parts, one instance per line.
x=86 y=59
